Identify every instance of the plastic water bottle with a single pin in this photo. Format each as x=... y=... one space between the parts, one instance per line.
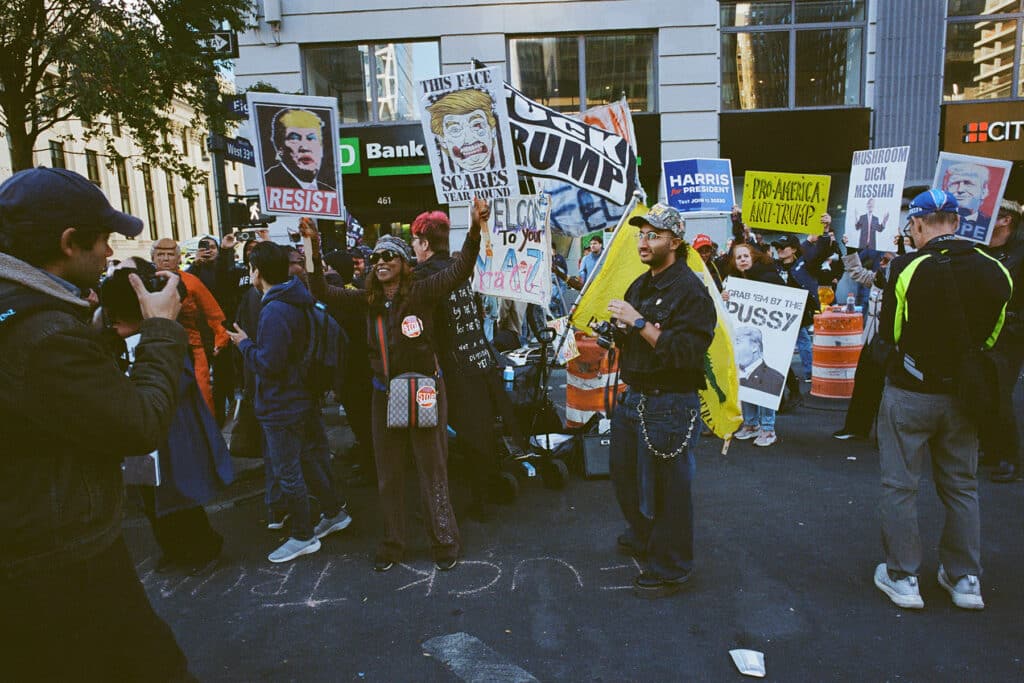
x=509 y=375
x=851 y=303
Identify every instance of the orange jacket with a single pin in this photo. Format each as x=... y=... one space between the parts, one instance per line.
x=200 y=303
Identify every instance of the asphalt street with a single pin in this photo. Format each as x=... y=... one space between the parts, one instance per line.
x=787 y=540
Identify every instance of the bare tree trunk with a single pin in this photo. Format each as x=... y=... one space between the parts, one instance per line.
x=21 y=141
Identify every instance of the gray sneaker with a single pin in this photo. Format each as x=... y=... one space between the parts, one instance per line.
x=328 y=525
x=293 y=548
x=904 y=592
x=966 y=593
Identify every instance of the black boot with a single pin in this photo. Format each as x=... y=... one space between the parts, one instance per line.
x=1006 y=473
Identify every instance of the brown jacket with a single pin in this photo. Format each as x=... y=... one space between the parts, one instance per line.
x=409 y=322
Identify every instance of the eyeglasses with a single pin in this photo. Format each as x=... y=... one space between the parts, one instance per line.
x=385 y=255
x=650 y=236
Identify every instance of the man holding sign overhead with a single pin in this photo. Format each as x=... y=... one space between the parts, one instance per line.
x=663 y=327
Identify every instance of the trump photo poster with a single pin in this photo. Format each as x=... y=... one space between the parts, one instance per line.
x=765 y=319
x=873 y=200
x=465 y=125
x=978 y=184
x=296 y=138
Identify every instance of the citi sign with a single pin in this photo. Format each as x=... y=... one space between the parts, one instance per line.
x=992 y=131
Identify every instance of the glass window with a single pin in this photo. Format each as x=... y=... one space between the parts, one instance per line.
x=374 y=82
x=209 y=209
x=980 y=58
x=147 y=185
x=547 y=70
x=192 y=215
x=969 y=8
x=57 y=155
x=757 y=13
x=115 y=126
x=828 y=67
x=620 y=65
x=123 y=187
x=755 y=70
x=172 y=206
x=829 y=11
x=92 y=166
x=803 y=53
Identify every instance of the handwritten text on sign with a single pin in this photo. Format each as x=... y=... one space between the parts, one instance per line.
x=515 y=261
x=790 y=202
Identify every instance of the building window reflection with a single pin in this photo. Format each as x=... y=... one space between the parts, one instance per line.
x=983 y=41
x=571 y=73
x=792 y=54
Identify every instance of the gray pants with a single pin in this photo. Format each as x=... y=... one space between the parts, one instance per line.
x=907 y=422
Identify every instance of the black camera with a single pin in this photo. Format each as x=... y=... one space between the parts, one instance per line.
x=605 y=334
x=118 y=298
x=246 y=235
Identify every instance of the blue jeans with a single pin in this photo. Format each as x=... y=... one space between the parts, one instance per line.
x=804 y=347
x=295 y=453
x=758 y=416
x=654 y=493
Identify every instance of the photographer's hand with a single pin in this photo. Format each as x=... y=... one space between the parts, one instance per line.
x=163 y=304
x=229 y=241
x=623 y=312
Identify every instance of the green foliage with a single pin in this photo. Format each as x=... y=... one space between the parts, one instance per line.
x=96 y=59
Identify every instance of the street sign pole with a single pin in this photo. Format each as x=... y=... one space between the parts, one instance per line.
x=221 y=45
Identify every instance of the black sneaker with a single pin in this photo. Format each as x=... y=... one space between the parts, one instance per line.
x=446 y=565
x=1006 y=473
x=651 y=581
x=382 y=565
x=844 y=434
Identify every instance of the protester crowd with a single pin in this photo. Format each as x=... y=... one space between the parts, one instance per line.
x=226 y=338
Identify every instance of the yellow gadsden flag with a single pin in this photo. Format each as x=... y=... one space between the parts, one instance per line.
x=621 y=265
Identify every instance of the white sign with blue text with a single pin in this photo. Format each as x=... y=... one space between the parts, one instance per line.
x=693 y=185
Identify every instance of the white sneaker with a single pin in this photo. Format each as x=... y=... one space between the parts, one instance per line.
x=293 y=548
x=766 y=439
x=904 y=592
x=746 y=432
x=966 y=593
x=328 y=525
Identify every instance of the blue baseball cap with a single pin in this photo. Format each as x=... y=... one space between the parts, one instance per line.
x=932 y=201
x=54 y=199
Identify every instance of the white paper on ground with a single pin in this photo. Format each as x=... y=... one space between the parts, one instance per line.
x=749 y=662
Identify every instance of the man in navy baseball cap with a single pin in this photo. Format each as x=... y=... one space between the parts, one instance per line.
x=929 y=202
x=56 y=219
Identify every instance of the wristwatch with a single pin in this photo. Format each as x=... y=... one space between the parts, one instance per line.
x=639 y=323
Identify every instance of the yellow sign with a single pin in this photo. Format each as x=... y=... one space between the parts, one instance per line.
x=789 y=202
x=720 y=406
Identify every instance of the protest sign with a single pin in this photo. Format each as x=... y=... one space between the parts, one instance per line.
x=873 y=201
x=693 y=185
x=515 y=254
x=575 y=211
x=296 y=138
x=554 y=145
x=788 y=202
x=978 y=183
x=765 y=321
x=465 y=126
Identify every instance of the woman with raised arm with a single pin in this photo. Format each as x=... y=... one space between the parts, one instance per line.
x=401 y=339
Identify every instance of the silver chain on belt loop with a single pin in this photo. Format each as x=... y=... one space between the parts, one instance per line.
x=640 y=408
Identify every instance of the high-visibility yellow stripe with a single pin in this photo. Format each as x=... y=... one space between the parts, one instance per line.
x=902 y=308
x=998 y=329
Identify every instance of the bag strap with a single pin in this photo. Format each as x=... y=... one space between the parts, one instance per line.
x=380 y=328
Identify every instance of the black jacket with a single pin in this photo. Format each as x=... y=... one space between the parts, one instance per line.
x=917 y=317
x=677 y=303
x=68 y=416
x=1011 y=256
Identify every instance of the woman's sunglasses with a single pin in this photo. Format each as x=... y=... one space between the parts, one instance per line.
x=385 y=255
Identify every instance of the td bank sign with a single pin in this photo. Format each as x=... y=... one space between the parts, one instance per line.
x=376 y=151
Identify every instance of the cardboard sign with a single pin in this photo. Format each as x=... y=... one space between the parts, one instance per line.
x=575 y=211
x=554 y=145
x=296 y=141
x=978 y=183
x=765 y=320
x=515 y=255
x=787 y=202
x=873 y=202
x=465 y=126
x=693 y=185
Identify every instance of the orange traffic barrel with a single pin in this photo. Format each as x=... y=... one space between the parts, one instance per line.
x=837 y=345
x=590 y=382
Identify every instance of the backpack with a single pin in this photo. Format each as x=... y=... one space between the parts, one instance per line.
x=323 y=358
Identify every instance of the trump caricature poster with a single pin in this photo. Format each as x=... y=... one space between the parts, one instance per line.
x=296 y=138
